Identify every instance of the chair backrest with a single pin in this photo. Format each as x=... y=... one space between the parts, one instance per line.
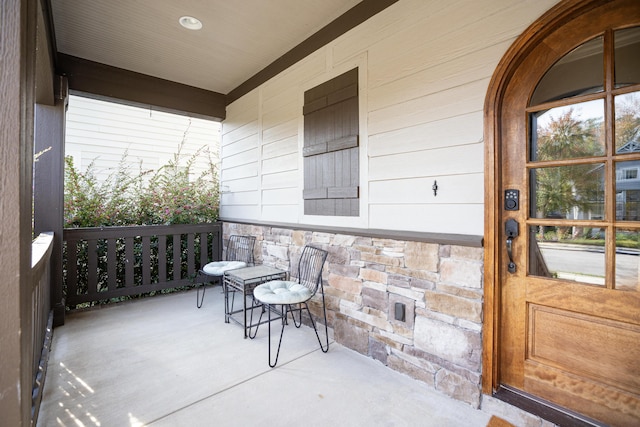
x=310 y=267
x=240 y=248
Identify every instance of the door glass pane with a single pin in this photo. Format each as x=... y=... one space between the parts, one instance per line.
x=567 y=252
x=628 y=123
x=627 y=259
x=568 y=192
x=628 y=191
x=627 y=57
x=579 y=72
x=568 y=132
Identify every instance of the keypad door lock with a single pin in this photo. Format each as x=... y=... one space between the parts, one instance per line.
x=511 y=200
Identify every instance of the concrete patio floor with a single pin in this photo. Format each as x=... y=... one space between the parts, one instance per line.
x=163 y=362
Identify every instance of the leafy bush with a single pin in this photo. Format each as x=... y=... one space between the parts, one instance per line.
x=168 y=195
x=171 y=197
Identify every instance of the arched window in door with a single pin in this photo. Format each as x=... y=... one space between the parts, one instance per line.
x=584 y=163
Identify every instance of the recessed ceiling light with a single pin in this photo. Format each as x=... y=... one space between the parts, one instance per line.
x=190 y=23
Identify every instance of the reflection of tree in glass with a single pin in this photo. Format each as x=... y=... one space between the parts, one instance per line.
x=559 y=189
x=627 y=119
x=567 y=137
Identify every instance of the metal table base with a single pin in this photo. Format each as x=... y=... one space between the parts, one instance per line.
x=243 y=281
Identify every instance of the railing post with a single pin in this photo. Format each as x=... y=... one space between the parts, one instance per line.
x=48 y=191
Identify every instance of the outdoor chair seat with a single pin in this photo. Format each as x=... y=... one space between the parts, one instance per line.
x=218 y=268
x=282 y=292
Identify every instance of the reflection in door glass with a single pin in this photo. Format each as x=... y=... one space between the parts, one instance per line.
x=568 y=253
x=579 y=72
x=627 y=259
x=568 y=192
x=627 y=56
x=568 y=132
x=628 y=191
x=628 y=123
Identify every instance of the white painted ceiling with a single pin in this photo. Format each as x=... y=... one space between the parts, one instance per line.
x=238 y=39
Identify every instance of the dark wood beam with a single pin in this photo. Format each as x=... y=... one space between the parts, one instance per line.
x=352 y=18
x=45 y=69
x=101 y=81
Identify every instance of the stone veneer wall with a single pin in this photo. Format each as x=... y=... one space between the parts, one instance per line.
x=439 y=342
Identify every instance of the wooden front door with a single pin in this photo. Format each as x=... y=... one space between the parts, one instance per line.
x=569 y=325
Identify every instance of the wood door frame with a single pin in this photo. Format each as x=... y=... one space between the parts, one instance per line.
x=548 y=23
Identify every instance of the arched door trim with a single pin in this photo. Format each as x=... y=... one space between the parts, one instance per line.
x=551 y=21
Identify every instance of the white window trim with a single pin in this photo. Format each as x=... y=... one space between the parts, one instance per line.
x=362 y=220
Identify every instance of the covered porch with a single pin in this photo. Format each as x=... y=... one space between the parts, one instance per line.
x=426 y=235
x=162 y=362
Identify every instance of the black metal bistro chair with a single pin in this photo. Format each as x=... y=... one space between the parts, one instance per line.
x=239 y=254
x=292 y=296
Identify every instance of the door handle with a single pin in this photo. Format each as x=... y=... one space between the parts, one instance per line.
x=511 y=229
x=511 y=267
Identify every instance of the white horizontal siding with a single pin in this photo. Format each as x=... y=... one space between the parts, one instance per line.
x=425 y=68
x=238 y=149
x=280 y=164
x=449 y=132
x=241 y=112
x=287 y=179
x=241 y=198
x=99 y=133
x=451 y=102
x=246 y=212
x=313 y=66
x=280 y=148
x=248 y=157
x=457 y=72
x=385 y=25
x=455 y=219
x=245 y=171
x=240 y=184
x=281 y=213
x=286 y=112
x=281 y=196
x=283 y=130
x=460 y=159
x=452 y=189
x=275 y=96
x=240 y=159
x=456 y=30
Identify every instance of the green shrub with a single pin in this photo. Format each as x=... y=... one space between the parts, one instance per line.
x=169 y=195
x=91 y=203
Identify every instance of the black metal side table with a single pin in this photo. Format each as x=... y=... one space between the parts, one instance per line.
x=244 y=280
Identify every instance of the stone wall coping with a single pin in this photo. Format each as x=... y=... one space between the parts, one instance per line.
x=439 y=238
